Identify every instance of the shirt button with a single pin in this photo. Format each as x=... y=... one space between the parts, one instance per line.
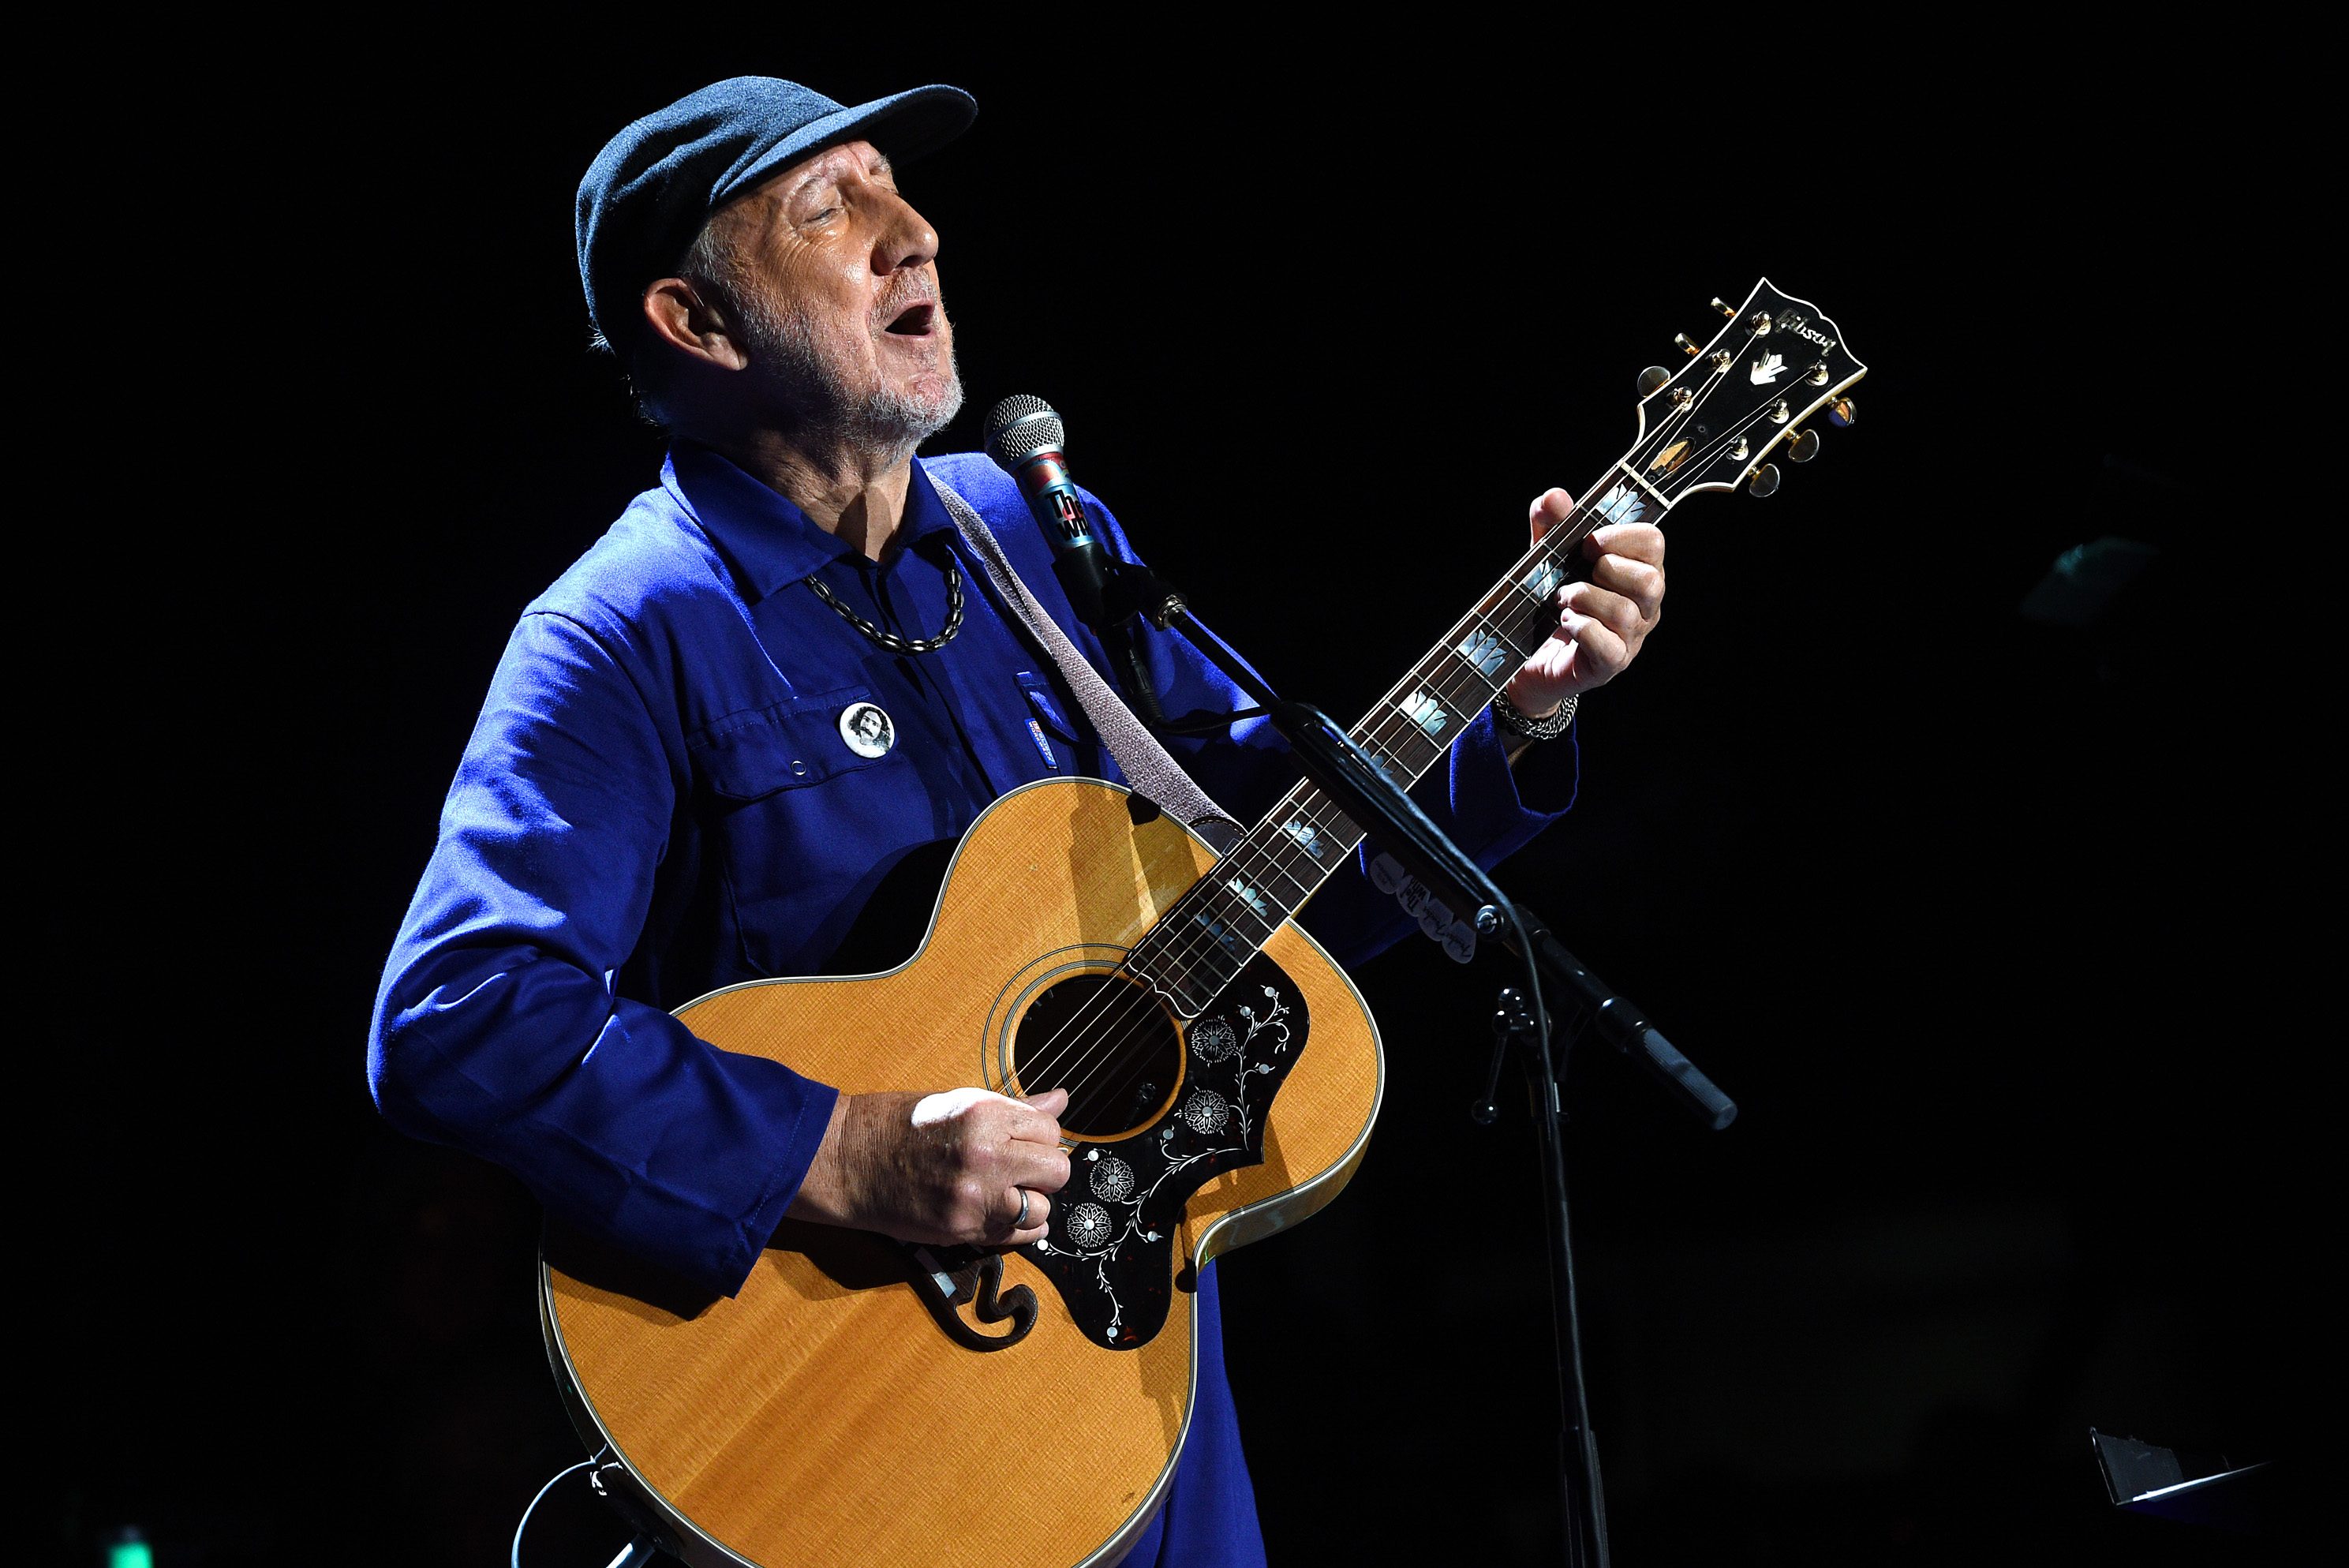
x=799 y=768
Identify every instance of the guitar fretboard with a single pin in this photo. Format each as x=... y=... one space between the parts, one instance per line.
x=1214 y=930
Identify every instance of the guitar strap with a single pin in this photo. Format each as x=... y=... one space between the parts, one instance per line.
x=1145 y=763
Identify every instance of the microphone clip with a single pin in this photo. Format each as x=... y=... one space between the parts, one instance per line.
x=1135 y=589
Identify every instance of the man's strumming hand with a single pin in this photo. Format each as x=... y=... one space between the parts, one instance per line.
x=946 y=1168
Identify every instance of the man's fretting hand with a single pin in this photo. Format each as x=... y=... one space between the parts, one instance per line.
x=944 y=1168
x=1602 y=621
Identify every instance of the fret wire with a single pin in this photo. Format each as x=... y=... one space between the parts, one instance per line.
x=1463 y=687
x=1183 y=922
x=1391 y=750
x=1277 y=849
x=1303 y=801
x=1297 y=889
x=1297 y=805
x=1179 y=934
x=1253 y=863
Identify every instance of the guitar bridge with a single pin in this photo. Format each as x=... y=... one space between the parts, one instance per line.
x=967 y=1277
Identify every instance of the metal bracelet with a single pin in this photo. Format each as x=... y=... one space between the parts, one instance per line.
x=1514 y=720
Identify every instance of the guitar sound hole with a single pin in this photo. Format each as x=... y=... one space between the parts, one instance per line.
x=1110 y=1042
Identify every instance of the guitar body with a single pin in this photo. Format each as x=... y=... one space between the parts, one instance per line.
x=825 y=1414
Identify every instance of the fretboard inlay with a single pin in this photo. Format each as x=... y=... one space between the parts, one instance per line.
x=1484 y=652
x=1422 y=711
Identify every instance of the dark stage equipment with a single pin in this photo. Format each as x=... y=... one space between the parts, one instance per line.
x=2191 y=1487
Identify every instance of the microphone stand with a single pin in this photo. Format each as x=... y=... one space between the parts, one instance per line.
x=1379 y=804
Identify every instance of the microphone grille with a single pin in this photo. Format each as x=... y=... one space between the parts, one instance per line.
x=1020 y=427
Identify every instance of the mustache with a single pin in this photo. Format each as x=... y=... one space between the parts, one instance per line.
x=915 y=290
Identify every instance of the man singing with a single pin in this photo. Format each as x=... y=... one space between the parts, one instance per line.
x=783 y=675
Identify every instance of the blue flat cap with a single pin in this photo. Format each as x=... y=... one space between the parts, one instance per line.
x=647 y=192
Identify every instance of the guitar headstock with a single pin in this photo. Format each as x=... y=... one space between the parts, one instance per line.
x=1775 y=371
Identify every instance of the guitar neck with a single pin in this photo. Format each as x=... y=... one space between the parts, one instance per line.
x=1774 y=362
x=1266 y=878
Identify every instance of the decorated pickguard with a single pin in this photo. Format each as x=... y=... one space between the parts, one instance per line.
x=1110 y=1250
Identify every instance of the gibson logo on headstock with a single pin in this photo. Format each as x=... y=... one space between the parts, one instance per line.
x=1795 y=322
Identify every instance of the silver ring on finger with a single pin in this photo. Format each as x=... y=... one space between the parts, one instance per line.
x=1021 y=1222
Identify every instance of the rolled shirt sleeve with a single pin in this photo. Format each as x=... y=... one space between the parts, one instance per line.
x=498 y=1028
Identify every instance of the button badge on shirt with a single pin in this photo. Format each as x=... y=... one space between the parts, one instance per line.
x=867 y=730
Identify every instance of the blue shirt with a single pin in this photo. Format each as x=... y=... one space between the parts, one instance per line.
x=657 y=801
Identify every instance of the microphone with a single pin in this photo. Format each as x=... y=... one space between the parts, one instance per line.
x=1024 y=437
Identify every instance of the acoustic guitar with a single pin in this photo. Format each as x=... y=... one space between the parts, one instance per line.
x=861 y=1401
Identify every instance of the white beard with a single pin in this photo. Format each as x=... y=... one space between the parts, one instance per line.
x=880 y=424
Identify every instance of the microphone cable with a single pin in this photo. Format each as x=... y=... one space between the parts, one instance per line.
x=637 y=1553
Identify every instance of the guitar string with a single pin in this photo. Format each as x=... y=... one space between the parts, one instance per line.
x=1281 y=857
x=1253 y=859
x=1486 y=618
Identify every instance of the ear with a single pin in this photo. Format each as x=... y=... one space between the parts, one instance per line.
x=682 y=319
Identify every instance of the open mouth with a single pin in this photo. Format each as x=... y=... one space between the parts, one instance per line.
x=915 y=321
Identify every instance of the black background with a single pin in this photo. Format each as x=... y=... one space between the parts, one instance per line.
x=1986 y=923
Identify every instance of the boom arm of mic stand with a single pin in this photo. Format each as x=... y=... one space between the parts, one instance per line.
x=1621 y=1025
x=1379 y=808
x=1372 y=799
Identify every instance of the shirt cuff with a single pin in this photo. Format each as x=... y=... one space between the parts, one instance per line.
x=1497 y=807
x=808 y=1106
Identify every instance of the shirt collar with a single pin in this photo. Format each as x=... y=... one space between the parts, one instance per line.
x=768 y=541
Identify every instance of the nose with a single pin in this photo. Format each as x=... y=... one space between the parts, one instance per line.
x=902 y=238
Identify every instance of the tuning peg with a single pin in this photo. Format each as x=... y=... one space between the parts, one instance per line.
x=1686 y=344
x=1651 y=377
x=1804 y=447
x=1843 y=412
x=1723 y=307
x=1765 y=480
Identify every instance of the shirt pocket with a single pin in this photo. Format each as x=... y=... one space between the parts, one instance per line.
x=798 y=825
x=750 y=756
x=1049 y=725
